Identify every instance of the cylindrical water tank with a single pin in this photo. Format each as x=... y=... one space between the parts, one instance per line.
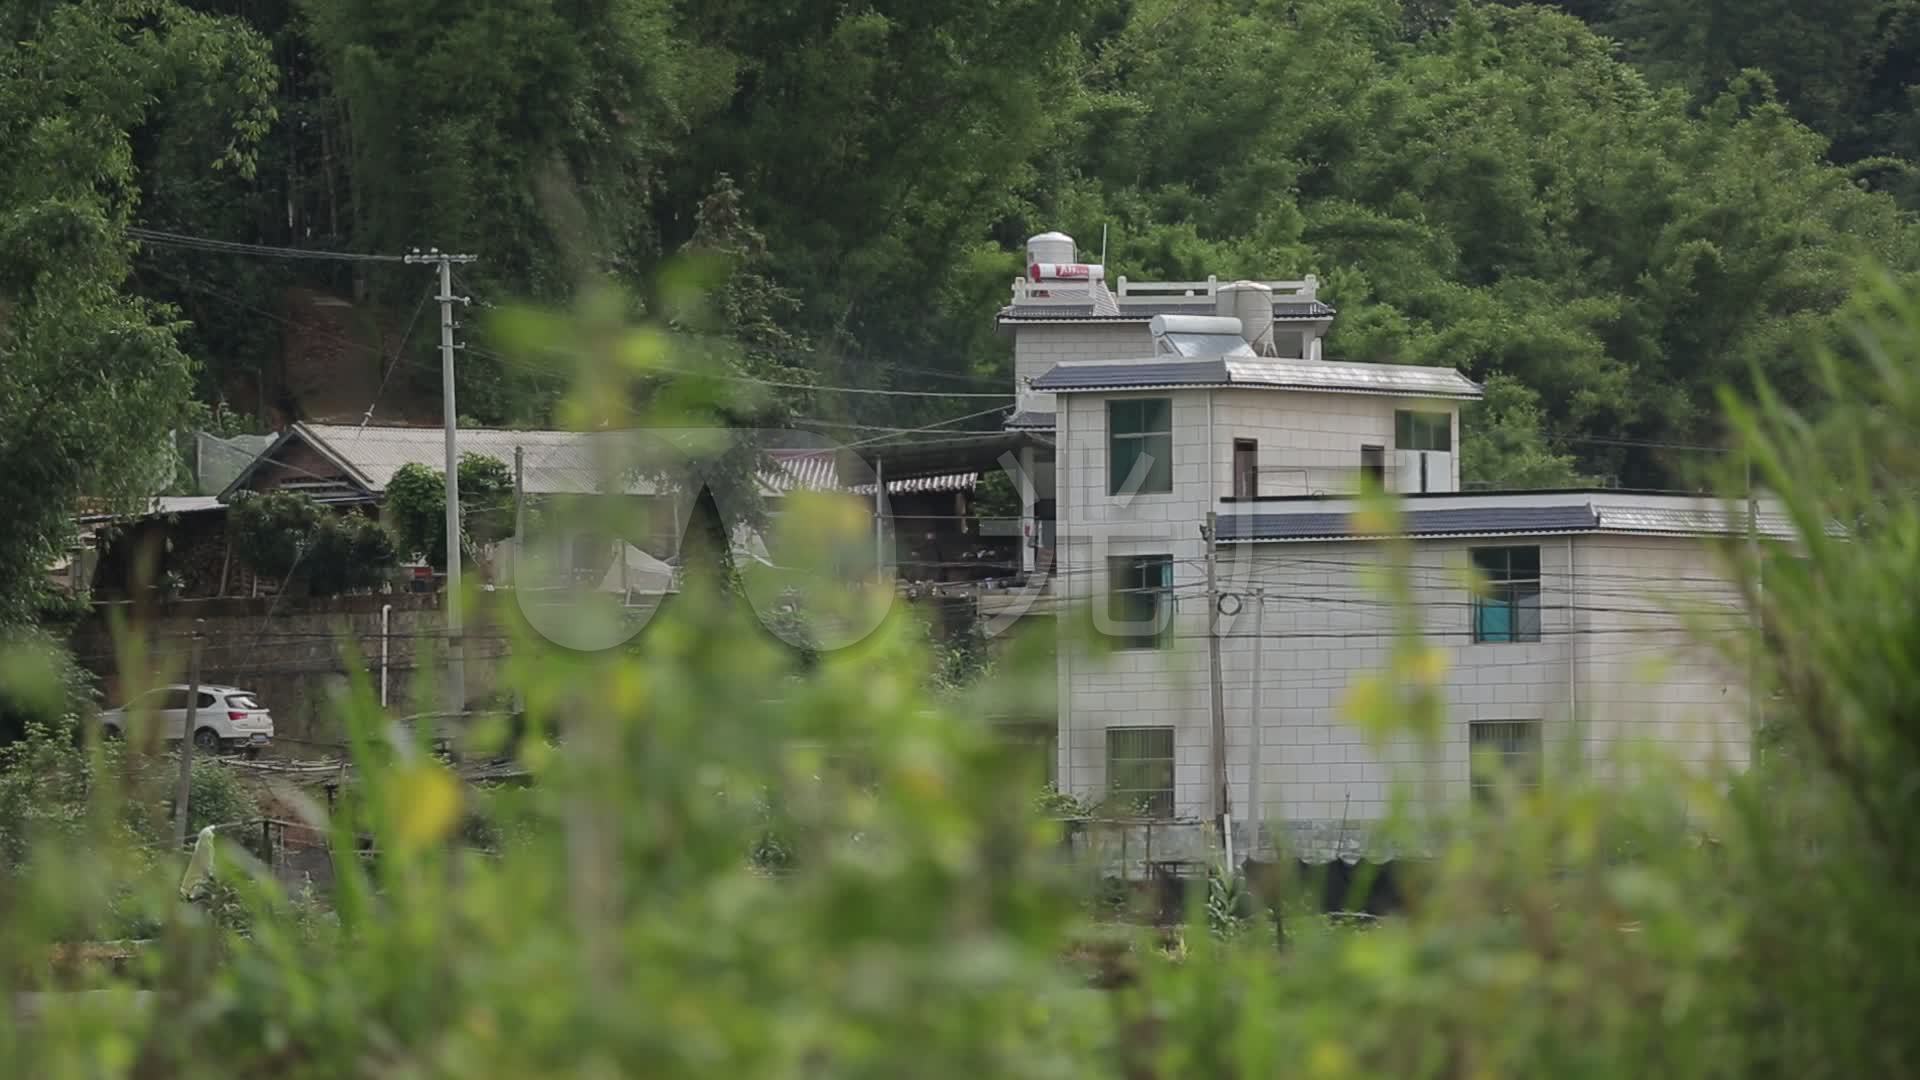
x=1049 y=247
x=1251 y=303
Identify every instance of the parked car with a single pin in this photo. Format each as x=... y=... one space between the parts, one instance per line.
x=227 y=717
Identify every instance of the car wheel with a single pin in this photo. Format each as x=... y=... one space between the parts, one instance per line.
x=110 y=732
x=206 y=741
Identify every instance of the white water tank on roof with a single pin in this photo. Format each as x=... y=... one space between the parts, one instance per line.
x=1251 y=303
x=1049 y=248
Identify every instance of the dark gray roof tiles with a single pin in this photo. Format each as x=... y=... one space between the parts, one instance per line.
x=1183 y=372
x=1473 y=521
x=1032 y=418
x=1402 y=380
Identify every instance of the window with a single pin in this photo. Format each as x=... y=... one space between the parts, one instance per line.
x=1246 y=468
x=1373 y=466
x=174 y=699
x=1140 y=769
x=1140 y=435
x=1509 y=609
x=1509 y=748
x=1138 y=605
x=1422 y=431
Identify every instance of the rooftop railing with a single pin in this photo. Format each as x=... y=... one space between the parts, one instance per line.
x=1124 y=291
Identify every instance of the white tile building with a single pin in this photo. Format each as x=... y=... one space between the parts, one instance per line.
x=1587 y=635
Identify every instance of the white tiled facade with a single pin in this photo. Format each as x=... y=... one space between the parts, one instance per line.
x=1039 y=346
x=1615 y=661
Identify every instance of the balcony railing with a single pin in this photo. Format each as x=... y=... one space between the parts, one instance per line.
x=1126 y=292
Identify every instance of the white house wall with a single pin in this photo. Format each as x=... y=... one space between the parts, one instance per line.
x=1309 y=444
x=1037 y=347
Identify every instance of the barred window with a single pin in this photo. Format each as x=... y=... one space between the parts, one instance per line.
x=1140 y=768
x=1509 y=748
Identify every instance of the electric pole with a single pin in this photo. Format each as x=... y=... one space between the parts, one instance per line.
x=1256 y=798
x=1221 y=799
x=456 y=648
x=183 y=790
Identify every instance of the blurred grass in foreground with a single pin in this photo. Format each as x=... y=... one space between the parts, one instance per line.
x=915 y=919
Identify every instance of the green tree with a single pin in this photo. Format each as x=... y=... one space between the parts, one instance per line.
x=288 y=536
x=1504 y=447
x=416 y=506
x=91 y=379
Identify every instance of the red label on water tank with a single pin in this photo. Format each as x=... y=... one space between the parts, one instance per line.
x=1067 y=272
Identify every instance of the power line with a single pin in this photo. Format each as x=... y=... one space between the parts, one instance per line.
x=162 y=238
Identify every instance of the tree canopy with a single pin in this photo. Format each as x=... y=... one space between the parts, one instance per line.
x=92 y=376
x=1620 y=204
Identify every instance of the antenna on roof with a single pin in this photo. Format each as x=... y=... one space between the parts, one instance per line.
x=1103 y=245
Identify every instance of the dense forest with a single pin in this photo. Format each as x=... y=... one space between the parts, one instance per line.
x=1604 y=208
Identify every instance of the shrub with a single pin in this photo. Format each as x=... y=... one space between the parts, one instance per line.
x=289 y=537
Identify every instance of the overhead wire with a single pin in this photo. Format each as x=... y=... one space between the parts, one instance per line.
x=163 y=238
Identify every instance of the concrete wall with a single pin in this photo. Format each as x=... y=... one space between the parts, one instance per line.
x=292 y=655
x=1039 y=346
x=1309 y=444
x=1618 y=661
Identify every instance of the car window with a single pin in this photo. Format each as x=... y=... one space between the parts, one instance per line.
x=206 y=700
x=174 y=699
x=242 y=701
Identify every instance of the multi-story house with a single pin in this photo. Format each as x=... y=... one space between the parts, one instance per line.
x=1569 y=622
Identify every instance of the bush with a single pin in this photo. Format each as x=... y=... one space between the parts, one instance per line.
x=42 y=686
x=289 y=537
x=416 y=505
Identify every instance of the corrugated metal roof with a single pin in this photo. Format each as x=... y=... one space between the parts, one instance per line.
x=1211 y=372
x=804 y=470
x=1283 y=310
x=1692 y=522
x=1396 y=379
x=1352 y=377
x=1473 y=521
x=556 y=462
x=925 y=485
x=1028 y=418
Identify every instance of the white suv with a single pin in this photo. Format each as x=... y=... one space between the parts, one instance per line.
x=227 y=716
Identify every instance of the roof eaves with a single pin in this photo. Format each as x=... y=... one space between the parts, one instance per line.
x=1322 y=538
x=338 y=459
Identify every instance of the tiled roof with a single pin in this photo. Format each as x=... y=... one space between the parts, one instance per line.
x=1029 y=418
x=1335 y=377
x=1469 y=522
x=1283 y=310
x=1210 y=372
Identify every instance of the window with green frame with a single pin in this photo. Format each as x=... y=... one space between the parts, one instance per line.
x=1139 y=600
x=1508 y=609
x=1140 y=769
x=1422 y=430
x=1140 y=435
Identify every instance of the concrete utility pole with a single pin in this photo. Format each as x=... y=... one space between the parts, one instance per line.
x=1222 y=801
x=879 y=521
x=456 y=648
x=184 y=788
x=1256 y=798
